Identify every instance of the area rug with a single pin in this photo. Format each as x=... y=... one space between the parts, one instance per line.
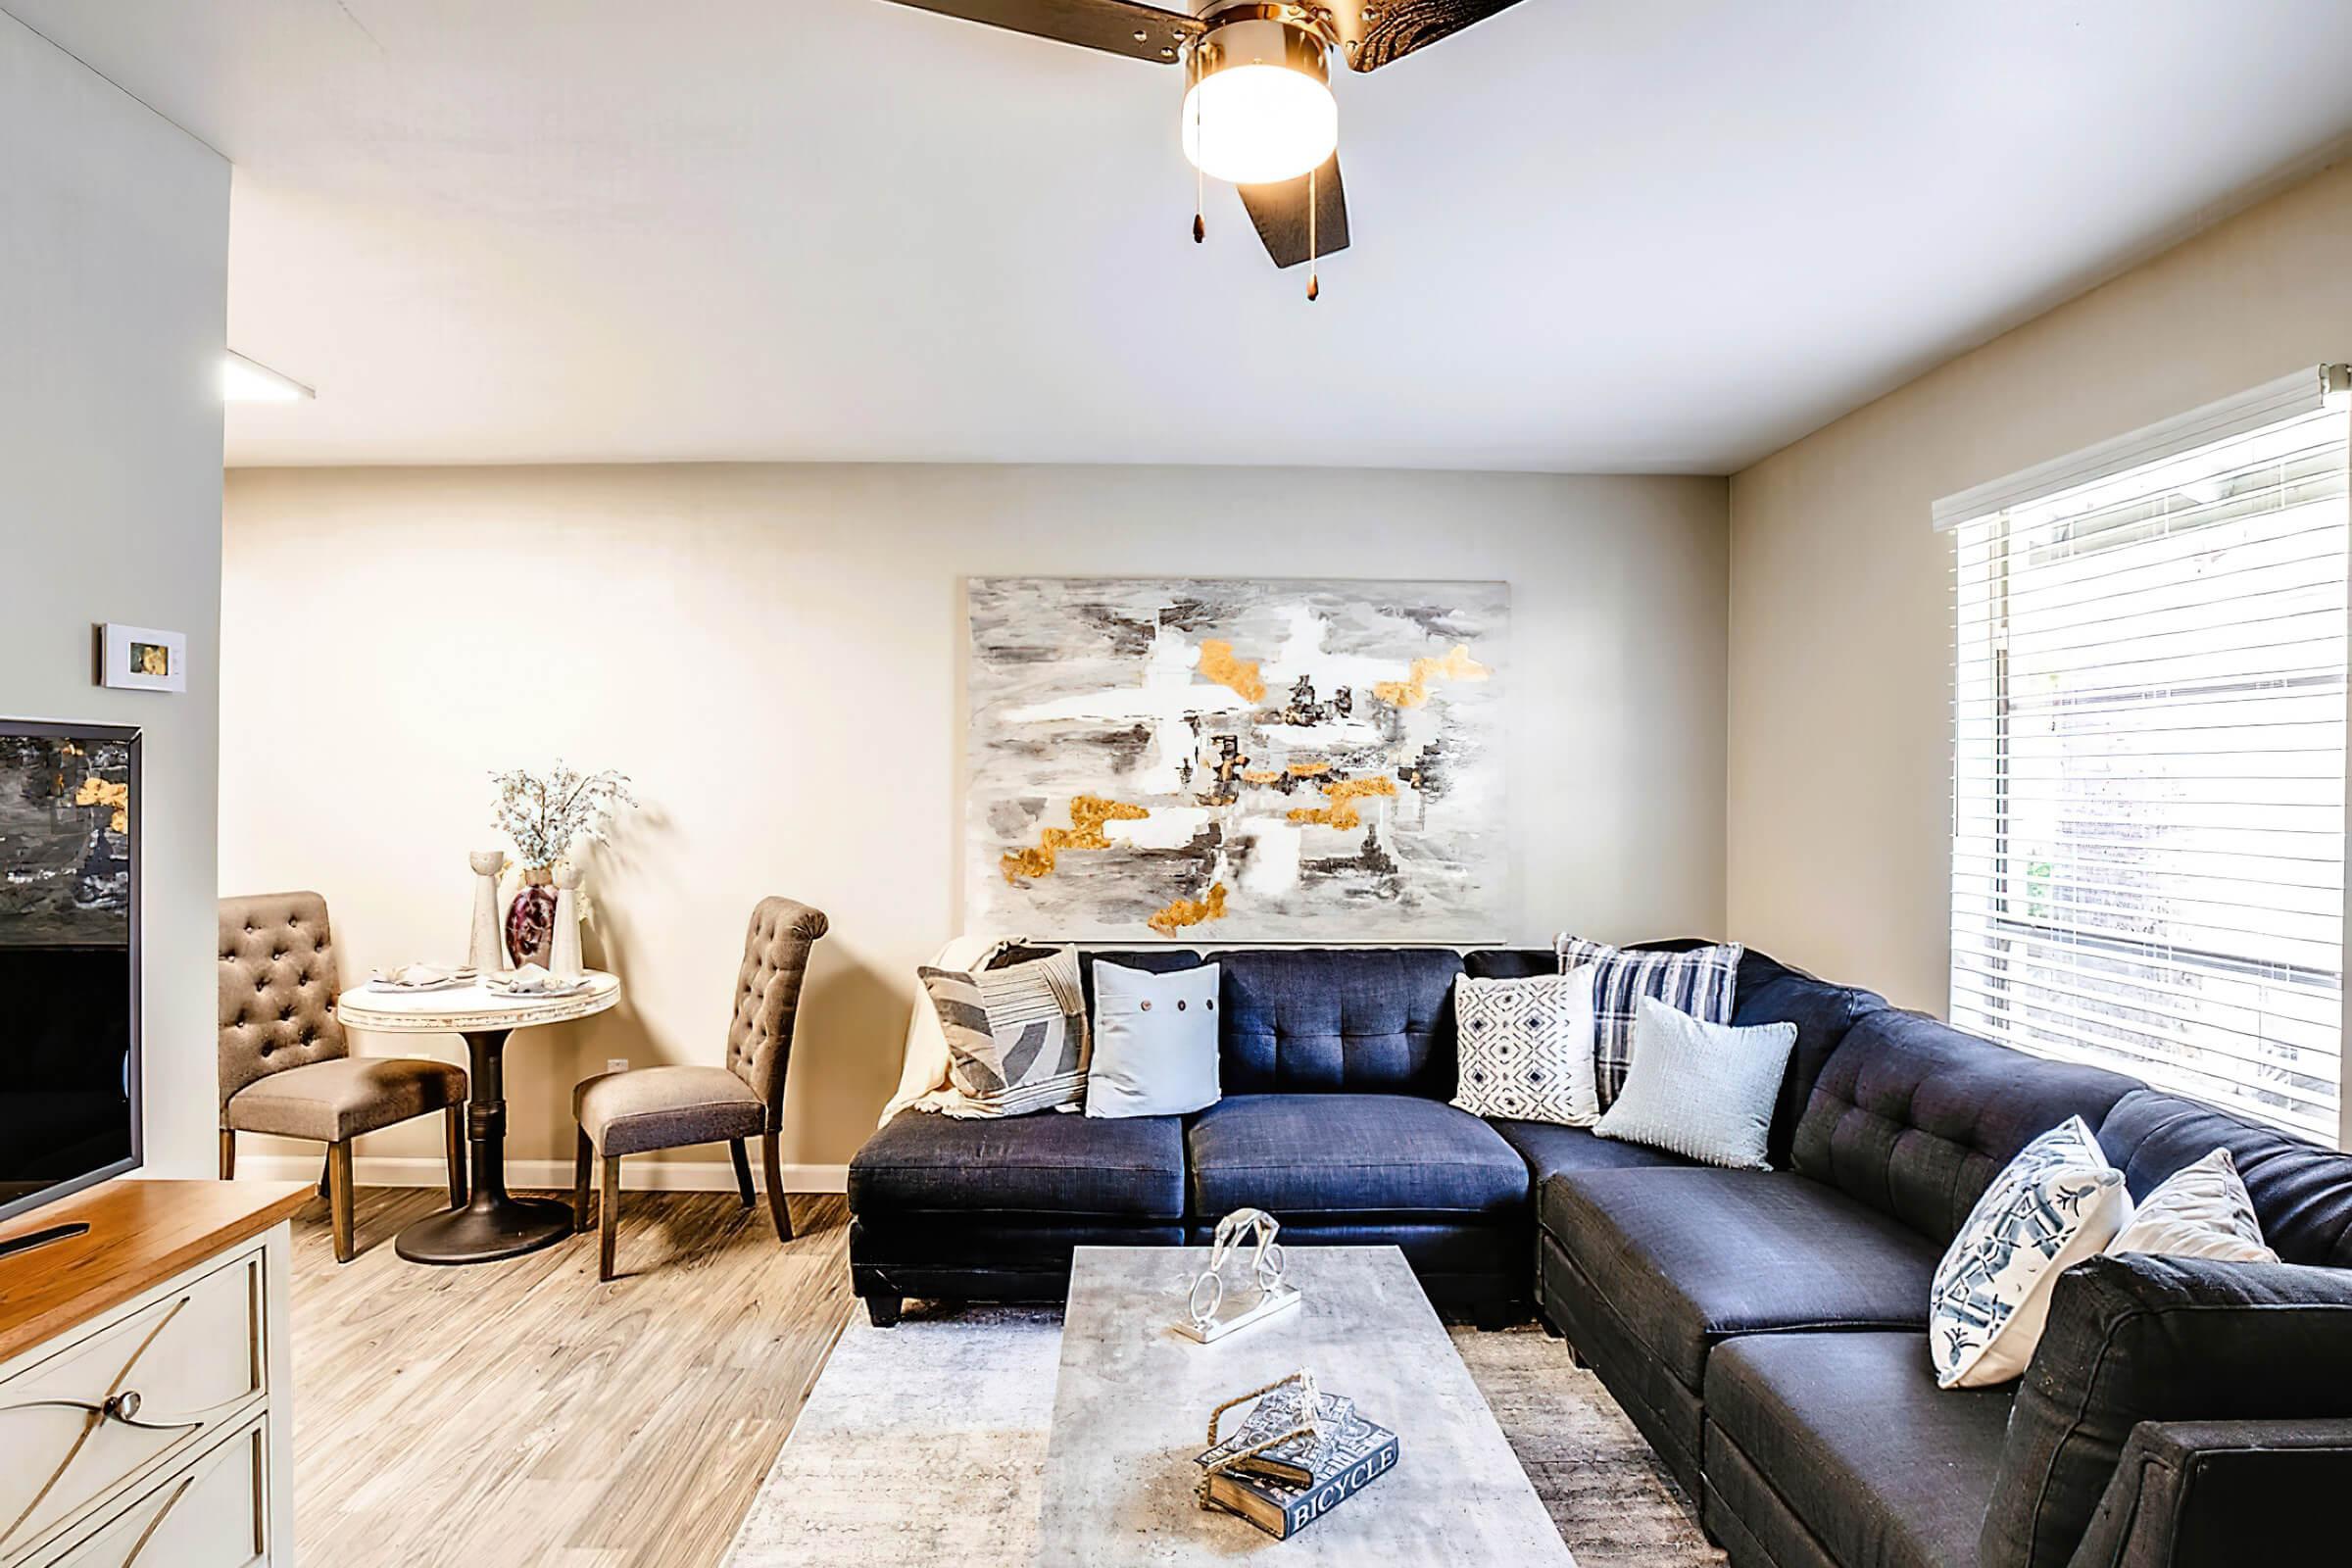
x=923 y=1444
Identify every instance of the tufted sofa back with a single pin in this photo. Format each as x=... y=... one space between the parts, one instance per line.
x=767 y=996
x=1354 y=1020
x=1915 y=1117
x=2302 y=1192
x=1770 y=991
x=277 y=988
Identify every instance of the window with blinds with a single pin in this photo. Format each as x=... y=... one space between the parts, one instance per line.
x=2149 y=752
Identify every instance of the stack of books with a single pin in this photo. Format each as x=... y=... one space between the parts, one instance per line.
x=1292 y=1485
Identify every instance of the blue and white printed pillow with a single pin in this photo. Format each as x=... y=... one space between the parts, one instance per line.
x=2056 y=1204
x=1524 y=1048
x=1698 y=982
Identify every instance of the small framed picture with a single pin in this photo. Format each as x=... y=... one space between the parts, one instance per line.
x=142 y=658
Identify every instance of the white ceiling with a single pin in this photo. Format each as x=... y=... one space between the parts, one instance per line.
x=1589 y=234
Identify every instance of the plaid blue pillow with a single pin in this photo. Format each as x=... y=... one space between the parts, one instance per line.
x=1698 y=982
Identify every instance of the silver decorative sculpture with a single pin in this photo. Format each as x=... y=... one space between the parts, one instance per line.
x=486 y=949
x=1211 y=1316
x=564 y=959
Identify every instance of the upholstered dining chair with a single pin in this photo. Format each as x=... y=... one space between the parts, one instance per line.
x=636 y=1112
x=286 y=1066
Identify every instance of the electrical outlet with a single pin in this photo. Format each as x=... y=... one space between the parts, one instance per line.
x=617 y=1065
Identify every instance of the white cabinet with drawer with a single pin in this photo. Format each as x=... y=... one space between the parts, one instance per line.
x=212 y=1513
x=153 y=1430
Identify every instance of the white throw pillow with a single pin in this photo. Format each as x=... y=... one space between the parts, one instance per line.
x=2201 y=1210
x=1525 y=1047
x=1704 y=1091
x=2056 y=1204
x=1156 y=1041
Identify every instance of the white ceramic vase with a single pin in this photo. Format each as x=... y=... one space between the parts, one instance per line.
x=484 y=949
x=563 y=957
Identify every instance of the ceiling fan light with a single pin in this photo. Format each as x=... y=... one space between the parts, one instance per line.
x=1259 y=109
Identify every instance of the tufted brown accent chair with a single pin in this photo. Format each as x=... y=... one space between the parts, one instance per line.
x=285 y=1067
x=635 y=1112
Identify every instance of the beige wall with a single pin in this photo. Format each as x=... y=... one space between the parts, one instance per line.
x=1840 y=787
x=773 y=654
x=114 y=248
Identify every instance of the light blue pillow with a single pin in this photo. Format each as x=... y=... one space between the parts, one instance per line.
x=1156 y=1041
x=1704 y=1091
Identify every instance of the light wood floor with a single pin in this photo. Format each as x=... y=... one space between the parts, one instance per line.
x=523 y=1415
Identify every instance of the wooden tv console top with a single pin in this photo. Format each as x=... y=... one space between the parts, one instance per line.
x=141 y=1234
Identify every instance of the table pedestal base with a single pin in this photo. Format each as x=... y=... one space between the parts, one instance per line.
x=493 y=1225
x=481 y=1233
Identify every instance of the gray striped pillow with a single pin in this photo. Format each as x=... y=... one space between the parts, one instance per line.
x=1698 y=982
x=1017 y=1036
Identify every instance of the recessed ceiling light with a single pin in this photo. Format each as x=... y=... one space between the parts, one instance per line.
x=244 y=380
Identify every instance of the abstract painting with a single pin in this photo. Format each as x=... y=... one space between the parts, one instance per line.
x=1218 y=761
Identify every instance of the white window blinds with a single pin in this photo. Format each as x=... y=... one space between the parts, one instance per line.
x=2150 y=728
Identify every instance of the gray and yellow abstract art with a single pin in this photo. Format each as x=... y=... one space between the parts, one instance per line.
x=1215 y=761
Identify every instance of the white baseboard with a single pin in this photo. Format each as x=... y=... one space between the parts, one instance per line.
x=545 y=1175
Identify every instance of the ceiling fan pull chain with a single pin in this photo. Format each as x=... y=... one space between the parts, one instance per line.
x=1315 y=284
x=1200 y=184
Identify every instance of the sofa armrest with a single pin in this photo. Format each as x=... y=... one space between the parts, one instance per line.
x=2217 y=1494
x=2136 y=1339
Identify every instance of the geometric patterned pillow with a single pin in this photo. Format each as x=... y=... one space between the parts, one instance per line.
x=2057 y=1204
x=1017 y=1036
x=1698 y=982
x=1524 y=1048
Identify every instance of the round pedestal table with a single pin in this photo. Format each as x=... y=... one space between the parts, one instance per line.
x=491 y=1225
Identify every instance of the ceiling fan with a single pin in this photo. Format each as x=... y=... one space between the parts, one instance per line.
x=1258 y=111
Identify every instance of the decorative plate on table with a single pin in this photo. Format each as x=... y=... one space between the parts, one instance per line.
x=502 y=986
x=418 y=977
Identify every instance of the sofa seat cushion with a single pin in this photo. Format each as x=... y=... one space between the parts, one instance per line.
x=1322 y=1157
x=1548 y=1148
x=343 y=1098
x=1690 y=1257
x=1066 y=1166
x=1852 y=1433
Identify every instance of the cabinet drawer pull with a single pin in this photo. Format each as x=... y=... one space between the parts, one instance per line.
x=119 y=1407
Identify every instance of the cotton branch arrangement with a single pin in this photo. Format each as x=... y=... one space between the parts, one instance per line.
x=545 y=815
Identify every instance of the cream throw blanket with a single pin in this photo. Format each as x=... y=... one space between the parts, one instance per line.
x=924 y=1081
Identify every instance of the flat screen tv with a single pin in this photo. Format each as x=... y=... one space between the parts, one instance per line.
x=69 y=958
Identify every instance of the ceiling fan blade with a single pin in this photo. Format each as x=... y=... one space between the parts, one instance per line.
x=1373 y=32
x=1143 y=33
x=1280 y=214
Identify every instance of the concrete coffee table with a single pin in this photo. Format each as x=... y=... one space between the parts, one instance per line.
x=1132 y=1404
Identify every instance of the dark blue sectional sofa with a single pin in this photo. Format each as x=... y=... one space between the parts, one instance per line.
x=1766 y=1330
